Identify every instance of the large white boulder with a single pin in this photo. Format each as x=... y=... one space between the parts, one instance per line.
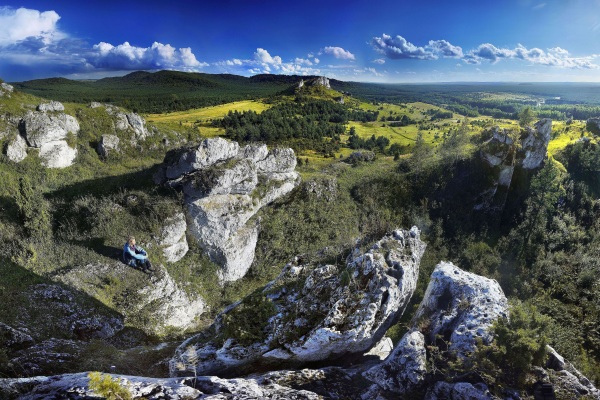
x=40 y=128
x=16 y=150
x=57 y=154
x=319 y=312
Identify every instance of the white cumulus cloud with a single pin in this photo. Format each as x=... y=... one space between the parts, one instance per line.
x=22 y=23
x=399 y=48
x=127 y=57
x=338 y=53
x=555 y=57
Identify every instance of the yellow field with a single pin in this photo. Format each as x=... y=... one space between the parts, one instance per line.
x=201 y=118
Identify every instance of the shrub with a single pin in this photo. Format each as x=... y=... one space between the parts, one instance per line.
x=33 y=210
x=106 y=386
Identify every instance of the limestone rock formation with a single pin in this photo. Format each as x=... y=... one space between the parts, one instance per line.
x=107 y=144
x=566 y=378
x=157 y=297
x=316 y=313
x=5 y=89
x=16 y=150
x=172 y=238
x=48 y=132
x=57 y=154
x=460 y=307
x=52 y=106
x=69 y=317
x=77 y=386
x=40 y=128
x=203 y=387
x=504 y=157
x=224 y=186
x=322 y=81
x=534 y=145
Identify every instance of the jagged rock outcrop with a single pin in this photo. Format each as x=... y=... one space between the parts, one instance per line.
x=321 y=81
x=62 y=311
x=460 y=307
x=202 y=387
x=107 y=145
x=172 y=238
x=16 y=149
x=224 y=186
x=125 y=121
x=312 y=313
x=358 y=157
x=566 y=378
x=48 y=132
x=503 y=157
x=534 y=144
x=53 y=106
x=155 y=302
x=382 y=349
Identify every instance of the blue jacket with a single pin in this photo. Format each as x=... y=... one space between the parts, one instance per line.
x=136 y=253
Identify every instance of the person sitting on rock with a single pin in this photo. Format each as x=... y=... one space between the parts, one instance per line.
x=135 y=256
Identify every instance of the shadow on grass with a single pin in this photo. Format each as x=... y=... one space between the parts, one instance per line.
x=138 y=180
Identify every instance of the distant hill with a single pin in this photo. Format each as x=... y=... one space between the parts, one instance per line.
x=161 y=91
x=166 y=91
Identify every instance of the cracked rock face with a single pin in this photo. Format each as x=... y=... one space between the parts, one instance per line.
x=460 y=307
x=172 y=238
x=317 y=313
x=224 y=186
x=534 y=145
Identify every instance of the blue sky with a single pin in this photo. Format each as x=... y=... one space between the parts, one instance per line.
x=379 y=41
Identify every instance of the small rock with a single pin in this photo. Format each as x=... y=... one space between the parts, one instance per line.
x=107 y=144
x=52 y=106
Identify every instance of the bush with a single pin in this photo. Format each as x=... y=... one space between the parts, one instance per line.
x=33 y=211
x=106 y=386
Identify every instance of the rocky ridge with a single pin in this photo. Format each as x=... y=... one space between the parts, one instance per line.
x=458 y=306
x=316 y=312
x=224 y=186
